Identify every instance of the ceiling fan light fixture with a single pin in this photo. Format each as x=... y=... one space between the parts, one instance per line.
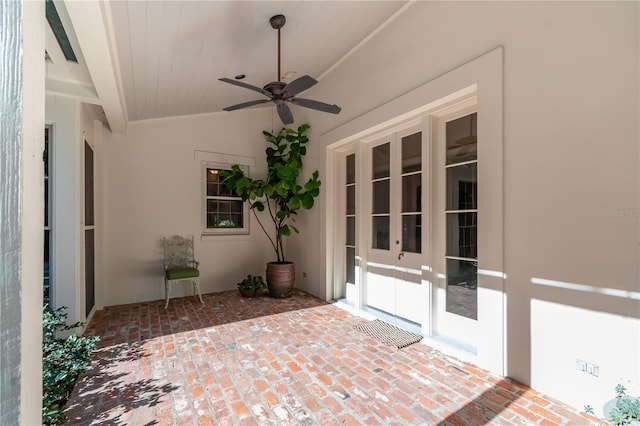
x=288 y=75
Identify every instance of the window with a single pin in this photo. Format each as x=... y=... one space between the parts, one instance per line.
x=47 y=284
x=224 y=211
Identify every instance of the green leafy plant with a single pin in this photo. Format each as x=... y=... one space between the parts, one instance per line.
x=252 y=283
x=625 y=410
x=280 y=194
x=226 y=223
x=63 y=360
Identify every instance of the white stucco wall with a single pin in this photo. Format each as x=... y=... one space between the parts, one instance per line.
x=62 y=114
x=571 y=174
x=153 y=187
x=72 y=123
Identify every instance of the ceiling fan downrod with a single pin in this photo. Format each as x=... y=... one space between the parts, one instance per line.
x=277 y=22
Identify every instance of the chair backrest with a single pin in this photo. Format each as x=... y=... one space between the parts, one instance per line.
x=178 y=252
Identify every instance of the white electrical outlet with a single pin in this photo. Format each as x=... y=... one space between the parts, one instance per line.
x=581 y=365
x=587 y=367
x=593 y=369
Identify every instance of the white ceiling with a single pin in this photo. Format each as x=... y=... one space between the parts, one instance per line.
x=170 y=54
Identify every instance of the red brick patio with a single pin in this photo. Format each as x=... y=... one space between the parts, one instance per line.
x=297 y=361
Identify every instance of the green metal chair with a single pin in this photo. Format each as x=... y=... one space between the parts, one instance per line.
x=180 y=265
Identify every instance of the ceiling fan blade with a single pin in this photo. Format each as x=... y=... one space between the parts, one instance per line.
x=300 y=85
x=246 y=86
x=320 y=106
x=285 y=113
x=246 y=104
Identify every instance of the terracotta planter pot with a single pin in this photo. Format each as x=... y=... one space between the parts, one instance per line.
x=280 y=278
x=247 y=293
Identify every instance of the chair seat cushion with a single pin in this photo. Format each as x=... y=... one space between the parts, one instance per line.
x=182 y=273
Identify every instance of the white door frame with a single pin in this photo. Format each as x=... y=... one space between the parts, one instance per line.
x=481 y=77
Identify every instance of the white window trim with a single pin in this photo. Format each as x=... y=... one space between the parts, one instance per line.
x=222 y=161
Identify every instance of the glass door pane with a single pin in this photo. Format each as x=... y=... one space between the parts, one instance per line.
x=462 y=139
x=381 y=196
x=350 y=219
x=411 y=149
x=462 y=216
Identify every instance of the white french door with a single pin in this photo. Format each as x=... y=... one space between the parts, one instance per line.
x=428 y=226
x=395 y=255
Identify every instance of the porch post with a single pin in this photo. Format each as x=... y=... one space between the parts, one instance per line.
x=21 y=210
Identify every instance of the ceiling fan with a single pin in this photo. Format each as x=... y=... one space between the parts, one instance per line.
x=282 y=93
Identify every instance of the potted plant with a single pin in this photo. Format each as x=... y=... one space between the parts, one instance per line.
x=621 y=410
x=252 y=286
x=280 y=195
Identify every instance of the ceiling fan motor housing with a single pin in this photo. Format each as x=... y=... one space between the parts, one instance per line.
x=277 y=21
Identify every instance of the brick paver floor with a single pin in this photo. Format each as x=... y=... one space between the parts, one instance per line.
x=297 y=361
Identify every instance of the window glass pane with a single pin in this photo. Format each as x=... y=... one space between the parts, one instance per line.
x=350 y=263
x=380 y=237
x=46 y=202
x=88 y=186
x=462 y=235
x=224 y=213
x=380 y=195
x=412 y=153
x=412 y=233
x=351 y=199
x=380 y=161
x=462 y=288
x=462 y=139
x=351 y=231
x=462 y=187
x=46 y=253
x=214 y=185
x=45 y=156
x=46 y=266
x=412 y=193
x=351 y=168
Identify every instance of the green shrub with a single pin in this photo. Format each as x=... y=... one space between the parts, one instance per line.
x=63 y=360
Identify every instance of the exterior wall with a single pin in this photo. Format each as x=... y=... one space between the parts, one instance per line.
x=571 y=175
x=153 y=186
x=72 y=123
x=62 y=113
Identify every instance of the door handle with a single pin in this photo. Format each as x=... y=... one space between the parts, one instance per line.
x=400 y=255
